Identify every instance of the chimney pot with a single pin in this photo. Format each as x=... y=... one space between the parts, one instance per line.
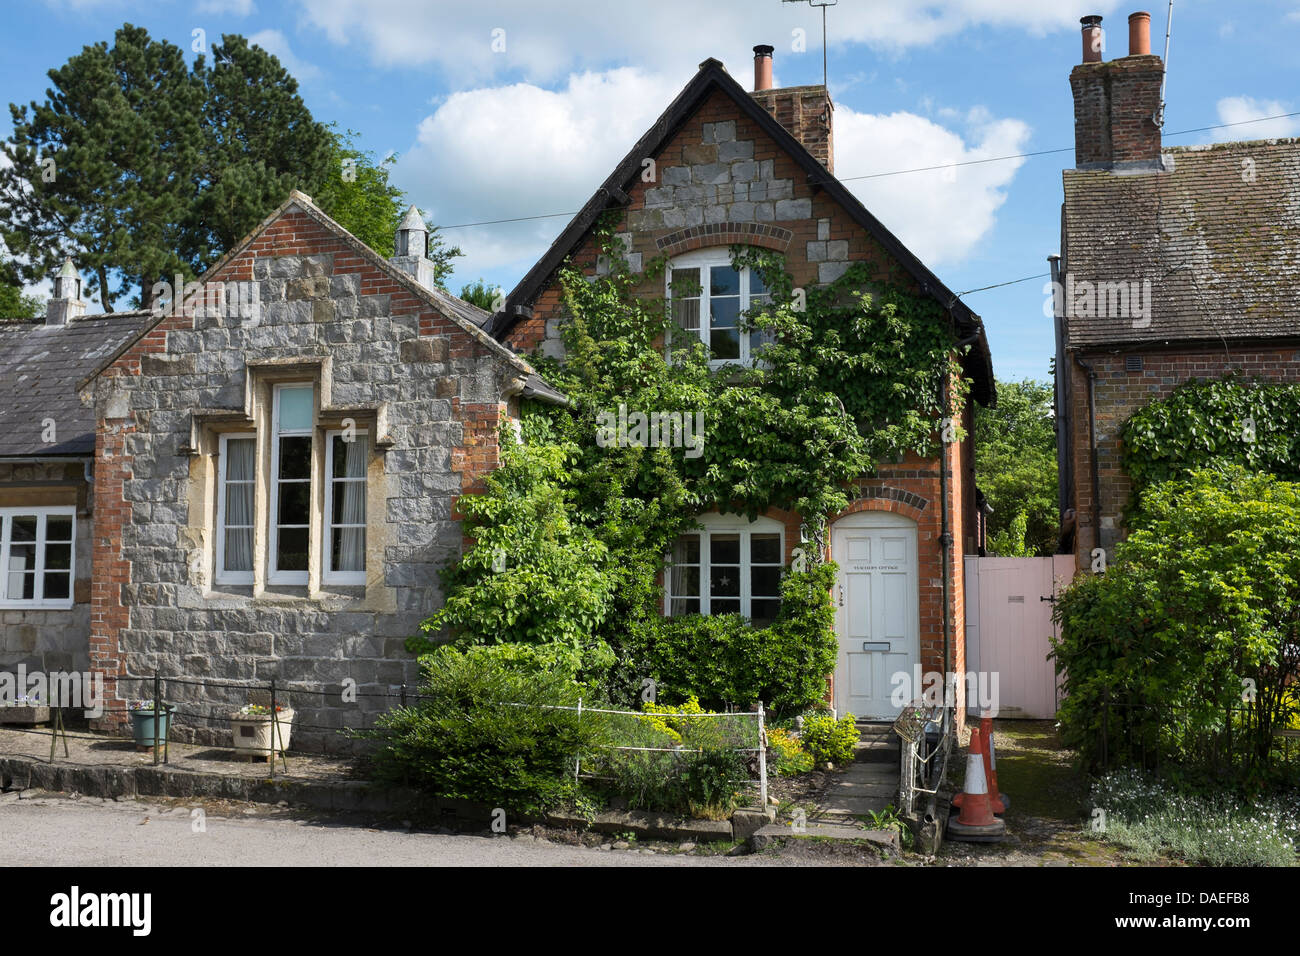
x=1092 y=39
x=763 y=67
x=1139 y=34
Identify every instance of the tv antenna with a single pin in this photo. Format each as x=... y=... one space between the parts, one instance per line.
x=1164 y=69
x=823 y=4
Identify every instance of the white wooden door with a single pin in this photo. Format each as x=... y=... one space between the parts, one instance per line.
x=877 y=619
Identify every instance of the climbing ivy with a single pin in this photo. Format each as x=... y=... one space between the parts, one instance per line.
x=1213 y=423
x=572 y=533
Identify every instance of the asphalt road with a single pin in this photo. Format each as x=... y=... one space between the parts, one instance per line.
x=61 y=830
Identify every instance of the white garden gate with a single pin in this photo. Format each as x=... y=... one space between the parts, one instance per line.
x=1008 y=626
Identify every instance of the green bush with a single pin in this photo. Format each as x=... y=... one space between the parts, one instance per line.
x=483 y=731
x=1191 y=620
x=724 y=661
x=787 y=757
x=830 y=740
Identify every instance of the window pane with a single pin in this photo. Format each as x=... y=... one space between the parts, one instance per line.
x=763 y=613
x=295 y=408
x=717 y=606
x=239 y=459
x=724 y=582
x=24 y=528
x=725 y=313
x=349 y=502
x=349 y=457
x=724 y=280
x=295 y=503
x=724 y=548
x=291 y=555
x=724 y=344
x=58 y=528
x=685 y=283
x=22 y=557
x=757 y=287
x=56 y=586
x=349 y=551
x=295 y=457
x=765 y=582
x=684 y=606
x=765 y=548
x=685 y=582
x=686 y=550
x=22 y=587
x=239 y=504
x=58 y=557
x=239 y=549
x=686 y=314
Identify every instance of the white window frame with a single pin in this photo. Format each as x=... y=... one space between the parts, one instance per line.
x=6 y=532
x=221 y=575
x=726 y=524
x=328 y=576
x=704 y=259
x=274 y=575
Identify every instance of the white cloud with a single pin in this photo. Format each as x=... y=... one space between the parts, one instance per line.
x=275 y=42
x=1243 y=109
x=237 y=8
x=545 y=41
x=520 y=150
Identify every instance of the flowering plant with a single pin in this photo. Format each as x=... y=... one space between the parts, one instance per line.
x=257 y=710
x=144 y=705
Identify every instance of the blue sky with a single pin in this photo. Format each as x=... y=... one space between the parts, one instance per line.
x=507 y=109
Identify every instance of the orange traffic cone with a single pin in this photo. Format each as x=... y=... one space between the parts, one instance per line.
x=998 y=800
x=976 y=822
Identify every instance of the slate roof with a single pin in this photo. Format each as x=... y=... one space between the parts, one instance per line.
x=40 y=369
x=712 y=75
x=1217 y=236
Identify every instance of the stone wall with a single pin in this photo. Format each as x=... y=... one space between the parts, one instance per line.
x=49 y=640
x=430 y=393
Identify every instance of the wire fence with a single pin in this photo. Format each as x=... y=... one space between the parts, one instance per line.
x=157 y=716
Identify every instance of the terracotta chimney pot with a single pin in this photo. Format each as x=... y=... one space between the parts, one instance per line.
x=762 y=67
x=1092 y=39
x=1139 y=34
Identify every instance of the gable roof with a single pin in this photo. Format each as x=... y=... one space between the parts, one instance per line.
x=612 y=193
x=1217 y=236
x=41 y=367
x=464 y=315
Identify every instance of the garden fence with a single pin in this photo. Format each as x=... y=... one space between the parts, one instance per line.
x=182 y=715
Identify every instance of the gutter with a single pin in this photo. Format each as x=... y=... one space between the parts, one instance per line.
x=86 y=462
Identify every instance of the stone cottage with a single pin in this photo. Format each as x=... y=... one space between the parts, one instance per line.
x=757 y=168
x=278 y=449
x=1175 y=263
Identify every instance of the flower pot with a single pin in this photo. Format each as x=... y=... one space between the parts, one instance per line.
x=252 y=732
x=142 y=726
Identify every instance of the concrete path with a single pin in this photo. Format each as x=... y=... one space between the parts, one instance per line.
x=870 y=784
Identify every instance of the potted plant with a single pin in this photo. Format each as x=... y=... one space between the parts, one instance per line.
x=143 y=717
x=252 y=725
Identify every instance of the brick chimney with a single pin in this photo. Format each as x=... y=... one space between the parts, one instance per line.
x=806 y=111
x=1116 y=103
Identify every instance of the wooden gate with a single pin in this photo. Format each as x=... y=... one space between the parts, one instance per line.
x=1008 y=626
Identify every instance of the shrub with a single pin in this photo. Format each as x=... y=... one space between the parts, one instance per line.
x=724 y=661
x=830 y=740
x=484 y=732
x=787 y=757
x=1197 y=607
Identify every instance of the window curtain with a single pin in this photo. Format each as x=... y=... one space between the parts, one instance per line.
x=352 y=541
x=239 y=504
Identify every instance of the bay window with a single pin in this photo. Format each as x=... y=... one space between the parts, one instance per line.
x=37 y=557
x=728 y=567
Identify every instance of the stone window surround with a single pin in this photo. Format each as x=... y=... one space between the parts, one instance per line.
x=703 y=259
x=724 y=524
x=207 y=428
x=43 y=512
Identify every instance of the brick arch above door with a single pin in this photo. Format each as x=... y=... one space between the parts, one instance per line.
x=895 y=500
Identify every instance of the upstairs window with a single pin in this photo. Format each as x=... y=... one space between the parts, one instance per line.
x=36 y=557
x=730 y=567
x=709 y=296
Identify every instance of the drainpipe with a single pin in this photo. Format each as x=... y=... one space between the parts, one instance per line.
x=1092 y=449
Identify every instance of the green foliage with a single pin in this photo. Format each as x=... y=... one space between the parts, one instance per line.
x=726 y=662
x=830 y=740
x=485 y=731
x=13 y=304
x=787 y=758
x=1215 y=422
x=1015 y=459
x=1202 y=597
x=481 y=294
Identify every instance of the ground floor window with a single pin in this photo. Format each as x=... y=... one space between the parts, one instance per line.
x=36 y=555
x=728 y=567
